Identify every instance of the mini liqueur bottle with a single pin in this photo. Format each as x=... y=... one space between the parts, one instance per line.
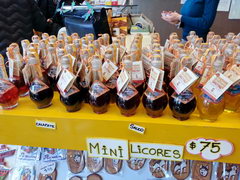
x=99 y=97
x=16 y=65
x=40 y=93
x=8 y=91
x=156 y=101
x=210 y=109
x=25 y=43
x=182 y=105
x=71 y=99
x=128 y=100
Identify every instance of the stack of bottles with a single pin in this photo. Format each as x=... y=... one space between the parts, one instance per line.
x=186 y=76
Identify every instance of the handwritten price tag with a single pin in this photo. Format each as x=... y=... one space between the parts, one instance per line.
x=210 y=149
x=47 y=168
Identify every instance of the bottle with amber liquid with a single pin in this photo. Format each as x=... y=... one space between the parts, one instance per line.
x=208 y=108
x=182 y=105
x=8 y=91
x=99 y=97
x=16 y=65
x=40 y=93
x=128 y=99
x=155 y=101
x=71 y=98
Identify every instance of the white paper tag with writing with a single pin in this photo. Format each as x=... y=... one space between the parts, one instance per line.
x=65 y=81
x=47 y=168
x=108 y=148
x=160 y=80
x=11 y=68
x=184 y=79
x=156 y=151
x=217 y=85
x=108 y=69
x=153 y=79
x=233 y=73
x=45 y=124
x=122 y=80
x=136 y=128
x=137 y=71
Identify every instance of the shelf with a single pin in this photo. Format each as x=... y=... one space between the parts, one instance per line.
x=18 y=127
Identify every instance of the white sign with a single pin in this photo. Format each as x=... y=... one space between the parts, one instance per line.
x=108 y=69
x=122 y=81
x=234 y=11
x=47 y=168
x=136 y=128
x=156 y=151
x=46 y=125
x=184 y=79
x=217 y=85
x=108 y=148
x=224 y=5
x=210 y=149
x=66 y=80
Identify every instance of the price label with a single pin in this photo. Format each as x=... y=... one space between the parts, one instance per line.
x=217 y=85
x=184 y=79
x=210 y=149
x=122 y=80
x=108 y=69
x=47 y=168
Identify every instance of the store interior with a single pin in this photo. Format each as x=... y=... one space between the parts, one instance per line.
x=120 y=90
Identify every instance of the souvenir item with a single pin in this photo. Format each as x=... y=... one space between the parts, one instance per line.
x=158 y=168
x=75 y=161
x=227 y=171
x=113 y=166
x=94 y=165
x=180 y=170
x=136 y=163
x=50 y=154
x=202 y=170
x=48 y=171
x=28 y=153
x=94 y=177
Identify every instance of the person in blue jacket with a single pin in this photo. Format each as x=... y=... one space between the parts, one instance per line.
x=196 y=15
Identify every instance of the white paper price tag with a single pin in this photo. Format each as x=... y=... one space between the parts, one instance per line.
x=137 y=71
x=108 y=69
x=217 y=85
x=65 y=81
x=47 y=168
x=233 y=74
x=210 y=149
x=122 y=80
x=153 y=79
x=160 y=80
x=184 y=79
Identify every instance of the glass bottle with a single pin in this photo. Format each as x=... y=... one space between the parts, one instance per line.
x=209 y=109
x=156 y=101
x=128 y=100
x=232 y=98
x=8 y=91
x=40 y=93
x=99 y=97
x=182 y=105
x=72 y=98
x=15 y=70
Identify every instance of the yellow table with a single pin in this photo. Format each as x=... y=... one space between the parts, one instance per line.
x=18 y=127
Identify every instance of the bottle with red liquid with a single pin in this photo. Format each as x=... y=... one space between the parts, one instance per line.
x=16 y=65
x=40 y=93
x=155 y=101
x=128 y=99
x=8 y=91
x=99 y=97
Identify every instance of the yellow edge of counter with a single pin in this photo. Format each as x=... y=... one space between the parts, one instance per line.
x=18 y=127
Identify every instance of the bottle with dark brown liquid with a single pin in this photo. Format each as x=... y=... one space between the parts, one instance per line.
x=182 y=105
x=72 y=99
x=128 y=99
x=8 y=91
x=40 y=93
x=99 y=97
